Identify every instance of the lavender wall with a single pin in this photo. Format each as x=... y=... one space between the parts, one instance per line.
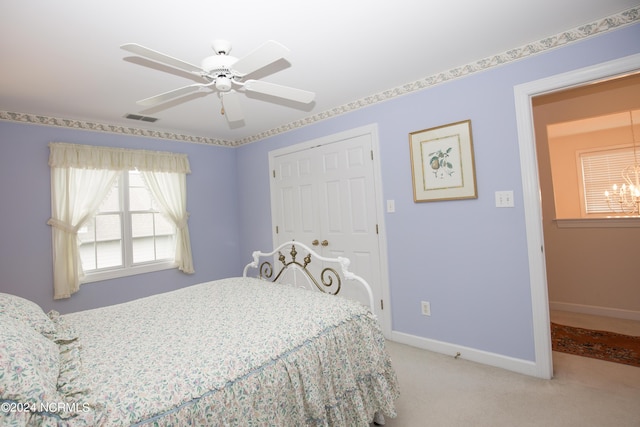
x=25 y=207
x=468 y=258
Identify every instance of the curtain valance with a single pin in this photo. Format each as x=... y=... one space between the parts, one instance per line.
x=66 y=155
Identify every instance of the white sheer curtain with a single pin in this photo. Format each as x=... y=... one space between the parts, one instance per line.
x=78 y=195
x=170 y=191
x=82 y=176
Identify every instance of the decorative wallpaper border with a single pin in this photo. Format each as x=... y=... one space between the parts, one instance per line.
x=612 y=22
x=99 y=127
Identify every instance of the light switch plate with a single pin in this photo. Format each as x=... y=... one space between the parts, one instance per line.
x=391 y=206
x=504 y=199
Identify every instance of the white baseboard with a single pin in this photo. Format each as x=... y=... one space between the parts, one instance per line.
x=526 y=367
x=595 y=310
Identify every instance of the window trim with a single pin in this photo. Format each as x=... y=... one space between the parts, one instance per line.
x=623 y=149
x=99 y=276
x=608 y=222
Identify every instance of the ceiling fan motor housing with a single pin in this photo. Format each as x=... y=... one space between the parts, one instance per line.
x=218 y=68
x=218 y=62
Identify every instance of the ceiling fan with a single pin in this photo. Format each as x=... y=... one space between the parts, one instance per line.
x=225 y=75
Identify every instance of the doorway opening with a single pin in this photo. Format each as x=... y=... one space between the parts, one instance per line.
x=590 y=254
x=531 y=189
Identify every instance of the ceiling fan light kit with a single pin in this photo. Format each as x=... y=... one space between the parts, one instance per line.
x=223 y=83
x=224 y=74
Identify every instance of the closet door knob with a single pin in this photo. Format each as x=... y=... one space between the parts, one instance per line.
x=315 y=242
x=325 y=243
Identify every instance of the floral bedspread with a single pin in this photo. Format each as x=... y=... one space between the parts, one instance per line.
x=234 y=352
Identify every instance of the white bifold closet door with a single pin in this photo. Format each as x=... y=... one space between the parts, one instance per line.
x=325 y=197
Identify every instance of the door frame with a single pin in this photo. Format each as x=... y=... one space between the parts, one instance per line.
x=372 y=130
x=531 y=189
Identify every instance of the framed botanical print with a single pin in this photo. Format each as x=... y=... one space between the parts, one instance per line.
x=442 y=163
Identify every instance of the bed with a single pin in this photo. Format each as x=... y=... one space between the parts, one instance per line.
x=255 y=350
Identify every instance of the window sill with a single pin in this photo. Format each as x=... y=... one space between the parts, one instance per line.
x=124 y=272
x=610 y=222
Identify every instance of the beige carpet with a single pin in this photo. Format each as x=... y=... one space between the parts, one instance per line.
x=438 y=390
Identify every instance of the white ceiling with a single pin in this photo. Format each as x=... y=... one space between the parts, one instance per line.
x=62 y=58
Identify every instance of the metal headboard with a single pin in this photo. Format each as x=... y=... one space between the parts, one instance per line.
x=329 y=280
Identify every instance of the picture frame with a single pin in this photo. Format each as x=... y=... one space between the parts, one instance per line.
x=442 y=163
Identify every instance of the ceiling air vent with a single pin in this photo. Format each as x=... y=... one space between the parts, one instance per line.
x=141 y=118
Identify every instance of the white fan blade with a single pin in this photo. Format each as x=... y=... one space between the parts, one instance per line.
x=231 y=106
x=264 y=55
x=284 y=92
x=161 y=57
x=166 y=96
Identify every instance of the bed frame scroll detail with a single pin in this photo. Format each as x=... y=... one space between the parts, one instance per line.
x=330 y=281
x=327 y=276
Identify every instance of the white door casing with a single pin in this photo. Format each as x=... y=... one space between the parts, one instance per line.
x=329 y=190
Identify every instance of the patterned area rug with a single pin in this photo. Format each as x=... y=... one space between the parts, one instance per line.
x=601 y=345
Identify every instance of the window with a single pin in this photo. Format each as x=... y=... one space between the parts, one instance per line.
x=108 y=211
x=128 y=234
x=601 y=169
x=587 y=157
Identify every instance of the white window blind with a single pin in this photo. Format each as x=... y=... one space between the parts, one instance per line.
x=600 y=171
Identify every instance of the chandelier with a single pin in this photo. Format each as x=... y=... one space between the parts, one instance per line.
x=626 y=197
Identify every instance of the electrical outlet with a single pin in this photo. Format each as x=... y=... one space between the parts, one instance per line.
x=426 y=308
